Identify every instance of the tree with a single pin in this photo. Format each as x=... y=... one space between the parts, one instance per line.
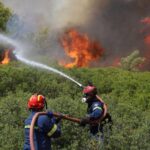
x=132 y=62
x=5 y=14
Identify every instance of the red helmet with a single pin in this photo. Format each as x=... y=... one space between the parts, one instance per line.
x=36 y=102
x=90 y=90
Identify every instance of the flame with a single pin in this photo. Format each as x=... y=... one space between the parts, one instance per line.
x=147 y=39
x=6 y=59
x=146 y=22
x=80 y=48
x=116 y=62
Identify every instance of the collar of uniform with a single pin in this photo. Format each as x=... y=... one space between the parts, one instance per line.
x=92 y=101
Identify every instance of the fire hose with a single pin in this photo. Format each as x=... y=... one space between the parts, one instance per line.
x=63 y=116
x=66 y=117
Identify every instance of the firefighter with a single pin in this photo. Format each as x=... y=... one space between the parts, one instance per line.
x=96 y=112
x=46 y=126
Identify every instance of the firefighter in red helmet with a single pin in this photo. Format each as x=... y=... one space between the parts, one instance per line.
x=89 y=93
x=46 y=126
x=96 y=110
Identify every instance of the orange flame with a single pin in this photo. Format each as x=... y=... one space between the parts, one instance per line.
x=80 y=48
x=147 y=40
x=6 y=59
x=116 y=62
x=146 y=20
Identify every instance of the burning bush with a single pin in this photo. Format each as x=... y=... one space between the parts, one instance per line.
x=6 y=56
x=80 y=48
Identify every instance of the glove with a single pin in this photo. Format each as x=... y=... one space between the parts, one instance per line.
x=84 y=121
x=50 y=114
x=58 y=119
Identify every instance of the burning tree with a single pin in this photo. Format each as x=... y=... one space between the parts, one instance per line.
x=132 y=62
x=6 y=58
x=6 y=55
x=5 y=15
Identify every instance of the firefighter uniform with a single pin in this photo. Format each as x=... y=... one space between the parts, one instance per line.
x=45 y=128
x=94 y=111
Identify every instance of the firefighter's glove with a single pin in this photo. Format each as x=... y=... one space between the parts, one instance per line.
x=50 y=114
x=84 y=121
x=58 y=119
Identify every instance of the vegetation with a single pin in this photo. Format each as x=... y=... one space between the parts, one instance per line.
x=132 y=62
x=5 y=14
x=126 y=93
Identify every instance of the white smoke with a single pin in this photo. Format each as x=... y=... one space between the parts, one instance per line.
x=56 y=13
x=31 y=16
x=114 y=23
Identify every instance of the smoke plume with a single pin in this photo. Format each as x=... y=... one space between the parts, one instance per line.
x=114 y=23
x=55 y=13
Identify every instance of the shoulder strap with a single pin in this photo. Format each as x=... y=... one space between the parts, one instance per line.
x=104 y=111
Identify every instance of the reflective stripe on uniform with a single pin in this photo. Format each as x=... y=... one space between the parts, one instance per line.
x=52 y=131
x=28 y=127
x=97 y=108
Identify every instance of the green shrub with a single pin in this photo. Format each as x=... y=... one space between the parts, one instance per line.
x=126 y=94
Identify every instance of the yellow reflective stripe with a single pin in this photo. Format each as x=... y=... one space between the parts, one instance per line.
x=28 y=127
x=52 y=131
x=97 y=108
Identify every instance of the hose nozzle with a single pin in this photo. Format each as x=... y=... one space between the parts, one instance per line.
x=81 y=86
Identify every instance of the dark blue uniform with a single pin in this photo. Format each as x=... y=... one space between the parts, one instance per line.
x=44 y=129
x=95 y=111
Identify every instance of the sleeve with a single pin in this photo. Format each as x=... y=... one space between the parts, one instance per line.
x=97 y=111
x=55 y=131
x=49 y=127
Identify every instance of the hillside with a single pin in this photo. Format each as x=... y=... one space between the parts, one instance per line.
x=127 y=95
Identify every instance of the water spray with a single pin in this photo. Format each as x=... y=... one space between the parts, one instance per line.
x=7 y=40
x=17 y=50
x=43 y=66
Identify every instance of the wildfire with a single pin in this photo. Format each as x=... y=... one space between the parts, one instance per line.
x=116 y=62
x=146 y=21
x=80 y=48
x=147 y=37
x=6 y=59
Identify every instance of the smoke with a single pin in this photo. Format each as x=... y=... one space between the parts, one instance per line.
x=31 y=17
x=56 y=13
x=118 y=27
x=114 y=23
